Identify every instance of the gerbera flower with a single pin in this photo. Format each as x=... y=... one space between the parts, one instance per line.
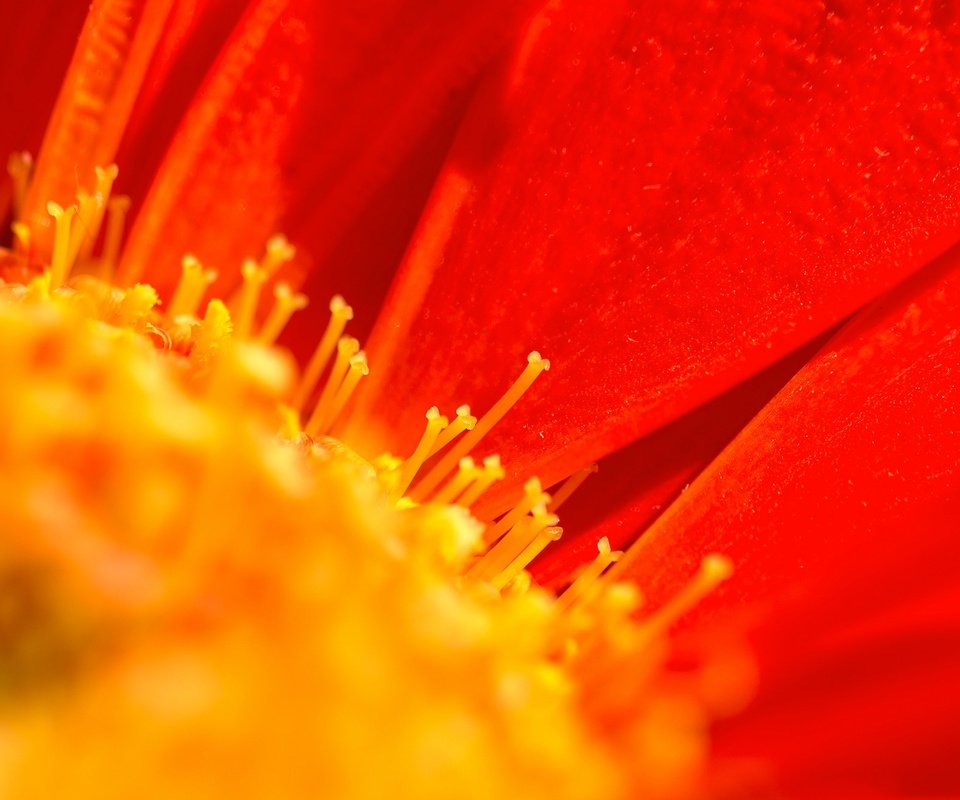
x=679 y=207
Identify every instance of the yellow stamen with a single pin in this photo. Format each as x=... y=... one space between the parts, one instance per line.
x=530 y=552
x=570 y=485
x=512 y=544
x=535 y=365
x=60 y=263
x=492 y=472
x=521 y=584
x=714 y=570
x=194 y=280
x=253 y=279
x=467 y=473
x=117 y=208
x=464 y=421
x=533 y=495
x=435 y=424
x=19 y=168
x=358 y=369
x=279 y=252
x=286 y=303
x=92 y=210
x=340 y=314
x=347 y=348
x=22 y=233
x=587 y=579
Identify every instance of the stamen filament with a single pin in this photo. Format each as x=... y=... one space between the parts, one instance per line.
x=569 y=486
x=340 y=314
x=512 y=544
x=21 y=232
x=435 y=424
x=590 y=574
x=535 y=365
x=533 y=495
x=286 y=303
x=19 y=167
x=253 y=279
x=464 y=421
x=530 y=552
x=492 y=472
x=117 y=208
x=60 y=263
x=279 y=252
x=358 y=369
x=467 y=473
x=92 y=215
x=714 y=570
x=194 y=280
x=347 y=348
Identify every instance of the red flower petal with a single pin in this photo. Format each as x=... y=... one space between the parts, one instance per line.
x=859 y=453
x=37 y=41
x=680 y=195
x=305 y=113
x=96 y=97
x=636 y=483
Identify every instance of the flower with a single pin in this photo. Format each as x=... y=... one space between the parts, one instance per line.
x=668 y=202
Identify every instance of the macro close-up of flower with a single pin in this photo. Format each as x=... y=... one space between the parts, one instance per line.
x=431 y=399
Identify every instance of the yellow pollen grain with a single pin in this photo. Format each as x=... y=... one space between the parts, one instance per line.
x=60 y=263
x=194 y=281
x=347 y=348
x=435 y=424
x=590 y=574
x=535 y=365
x=464 y=421
x=492 y=472
x=569 y=486
x=467 y=473
x=340 y=314
x=286 y=303
x=533 y=495
x=714 y=570
x=253 y=279
x=531 y=551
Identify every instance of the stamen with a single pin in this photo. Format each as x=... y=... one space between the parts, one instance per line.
x=521 y=584
x=347 y=348
x=117 y=208
x=512 y=544
x=340 y=314
x=194 y=280
x=19 y=168
x=60 y=263
x=435 y=424
x=588 y=577
x=286 y=303
x=358 y=369
x=279 y=252
x=714 y=570
x=535 y=365
x=492 y=472
x=467 y=473
x=530 y=552
x=533 y=495
x=570 y=485
x=93 y=210
x=464 y=421
x=253 y=279
x=21 y=232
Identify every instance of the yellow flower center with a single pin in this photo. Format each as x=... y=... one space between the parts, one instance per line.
x=196 y=605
